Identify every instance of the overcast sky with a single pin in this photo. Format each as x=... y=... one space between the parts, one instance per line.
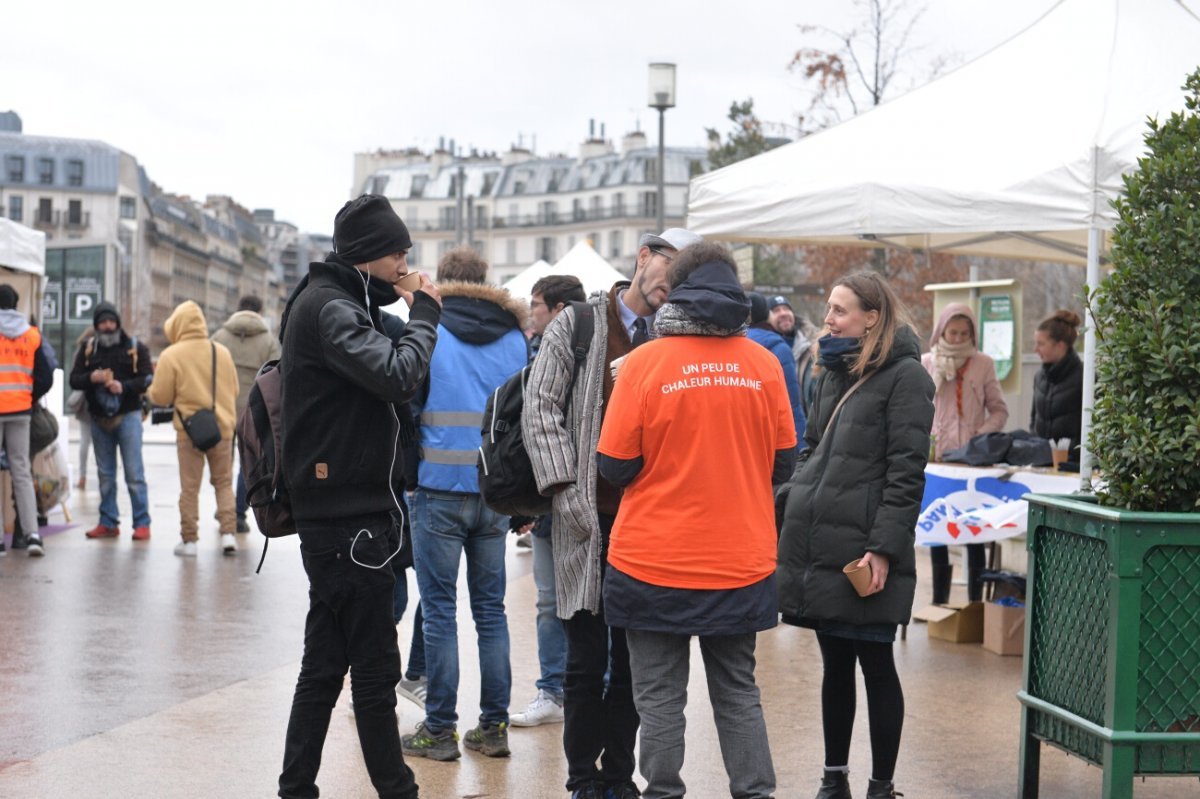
x=268 y=101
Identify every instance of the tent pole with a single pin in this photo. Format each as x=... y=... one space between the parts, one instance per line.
x=1089 y=359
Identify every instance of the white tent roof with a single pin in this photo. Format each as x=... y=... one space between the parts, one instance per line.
x=1016 y=154
x=22 y=248
x=582 y=261
x=521 y=284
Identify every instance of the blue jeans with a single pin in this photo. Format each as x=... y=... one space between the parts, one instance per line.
x=551 y=638
x=445 y=526
x=128 y=437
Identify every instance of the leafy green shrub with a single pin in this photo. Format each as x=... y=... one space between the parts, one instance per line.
x=1146 y=422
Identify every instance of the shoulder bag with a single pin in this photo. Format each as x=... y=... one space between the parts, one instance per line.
x=201 y=427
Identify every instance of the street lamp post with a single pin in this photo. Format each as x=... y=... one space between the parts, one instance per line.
x=662 y=97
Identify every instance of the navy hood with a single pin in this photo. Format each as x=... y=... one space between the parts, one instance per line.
x=712 y=295
x=479 y=314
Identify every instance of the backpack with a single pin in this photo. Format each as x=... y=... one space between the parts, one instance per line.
x=260 y=443
x=506 y=480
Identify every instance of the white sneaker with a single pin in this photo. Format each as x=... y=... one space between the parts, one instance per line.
x=413 y=690
x=544 y=709
x=186 y=549
x=228 y=543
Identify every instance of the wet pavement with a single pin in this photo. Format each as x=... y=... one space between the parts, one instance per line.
x=128 y=672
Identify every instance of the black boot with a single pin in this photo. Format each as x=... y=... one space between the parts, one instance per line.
x=881 y=789
x=974 y=585
x=941 y=583
x=835 y=785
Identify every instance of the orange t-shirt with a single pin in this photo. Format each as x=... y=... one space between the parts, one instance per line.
x=706 y=415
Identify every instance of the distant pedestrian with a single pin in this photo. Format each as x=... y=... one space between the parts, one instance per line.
x=550 y=295
x=24 y=381
x=854 y=498
x=195 y=373
x=480 y=345
x=250 y=342
x=341 y=436
x=78 y=407
x=114 y=370
x=761 y=332
x=698 y=429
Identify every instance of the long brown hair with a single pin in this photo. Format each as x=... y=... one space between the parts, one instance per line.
x=874 y=294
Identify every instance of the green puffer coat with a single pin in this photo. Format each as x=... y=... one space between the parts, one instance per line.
x=858 y=492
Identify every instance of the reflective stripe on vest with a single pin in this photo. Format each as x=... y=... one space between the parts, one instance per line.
x=461 y=378
x=16 y=371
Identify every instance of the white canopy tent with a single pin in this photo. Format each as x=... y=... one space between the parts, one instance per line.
x=582 y=261
x=1017 y=154
x=23 y=264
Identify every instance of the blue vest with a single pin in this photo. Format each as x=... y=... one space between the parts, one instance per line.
x=461 y=379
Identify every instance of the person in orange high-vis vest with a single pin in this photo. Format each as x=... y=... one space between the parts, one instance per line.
x=19 y=342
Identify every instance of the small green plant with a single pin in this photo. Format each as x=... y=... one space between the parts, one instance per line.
x=1146 y=420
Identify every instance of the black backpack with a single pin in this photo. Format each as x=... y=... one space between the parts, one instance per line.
x=260 y=442
x=506 y=480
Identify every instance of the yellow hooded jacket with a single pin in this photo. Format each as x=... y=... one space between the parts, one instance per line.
x=184 y=374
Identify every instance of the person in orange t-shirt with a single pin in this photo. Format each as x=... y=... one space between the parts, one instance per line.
x=698 y=430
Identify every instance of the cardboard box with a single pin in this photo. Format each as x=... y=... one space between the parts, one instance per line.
x=957 y=622
x=1004 y=629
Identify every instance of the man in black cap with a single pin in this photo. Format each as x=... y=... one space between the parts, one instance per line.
x=113 y=369
x=799 y=334
x=344 y=473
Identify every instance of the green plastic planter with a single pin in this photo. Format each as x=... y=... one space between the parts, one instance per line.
x=1112 y=641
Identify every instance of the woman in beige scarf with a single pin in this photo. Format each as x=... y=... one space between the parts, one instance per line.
x=968 y=402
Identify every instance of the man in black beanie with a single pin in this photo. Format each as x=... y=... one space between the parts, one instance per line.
x=341 y=439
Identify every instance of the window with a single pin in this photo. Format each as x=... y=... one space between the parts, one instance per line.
x=614 y=244
x=510 y=251
x=45 y=212
x=597 y=206
x=75 y=212
x=545 y=249
x=514 y=214
x=618 y=205
x=129 y=208
x=489 y=180
x=14 y=165
x=577 y=210
x=651 y=170
x=447 y=217
x=412 y=214
x=417 y=189
x=414 y=255
x=46 y=171
x=648 y=203
x=74 y=172
x=16 y=207
x=547 y=212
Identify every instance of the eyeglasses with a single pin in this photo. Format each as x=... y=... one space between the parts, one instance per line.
x=669 y=256
x=536 y=303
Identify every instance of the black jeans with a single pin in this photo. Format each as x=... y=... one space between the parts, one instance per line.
x=599 y=723
x=349 y=626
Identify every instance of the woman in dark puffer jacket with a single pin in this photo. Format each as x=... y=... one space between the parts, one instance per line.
x=855 y=497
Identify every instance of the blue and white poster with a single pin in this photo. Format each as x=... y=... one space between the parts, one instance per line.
x=968 y=505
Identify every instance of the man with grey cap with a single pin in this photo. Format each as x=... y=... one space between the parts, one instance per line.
x=563 y=412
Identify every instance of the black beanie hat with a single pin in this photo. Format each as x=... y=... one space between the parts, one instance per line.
x=758 y=308
x=368 y=228
x=105 y=310
x=8 y=297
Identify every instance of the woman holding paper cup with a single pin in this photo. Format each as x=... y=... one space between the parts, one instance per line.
x=853 y=502
x=967 y=402
x=1058 y=387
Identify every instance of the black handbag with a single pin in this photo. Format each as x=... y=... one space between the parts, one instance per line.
x=201 y=427
x=43 y=429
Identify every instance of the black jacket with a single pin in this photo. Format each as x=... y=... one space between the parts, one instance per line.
x=1058 y=400
x=340 y=376
x=858 y=492
x=134 y=379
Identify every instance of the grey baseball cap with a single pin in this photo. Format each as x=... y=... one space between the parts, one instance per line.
x=673 y=238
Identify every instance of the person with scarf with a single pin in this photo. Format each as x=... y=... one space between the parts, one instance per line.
x=967 y=402
x=854 y=498
x=693 y=546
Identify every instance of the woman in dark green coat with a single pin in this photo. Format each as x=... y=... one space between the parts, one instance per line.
x=855 y=496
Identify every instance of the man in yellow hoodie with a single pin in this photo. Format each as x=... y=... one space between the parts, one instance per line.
x=184 y=378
